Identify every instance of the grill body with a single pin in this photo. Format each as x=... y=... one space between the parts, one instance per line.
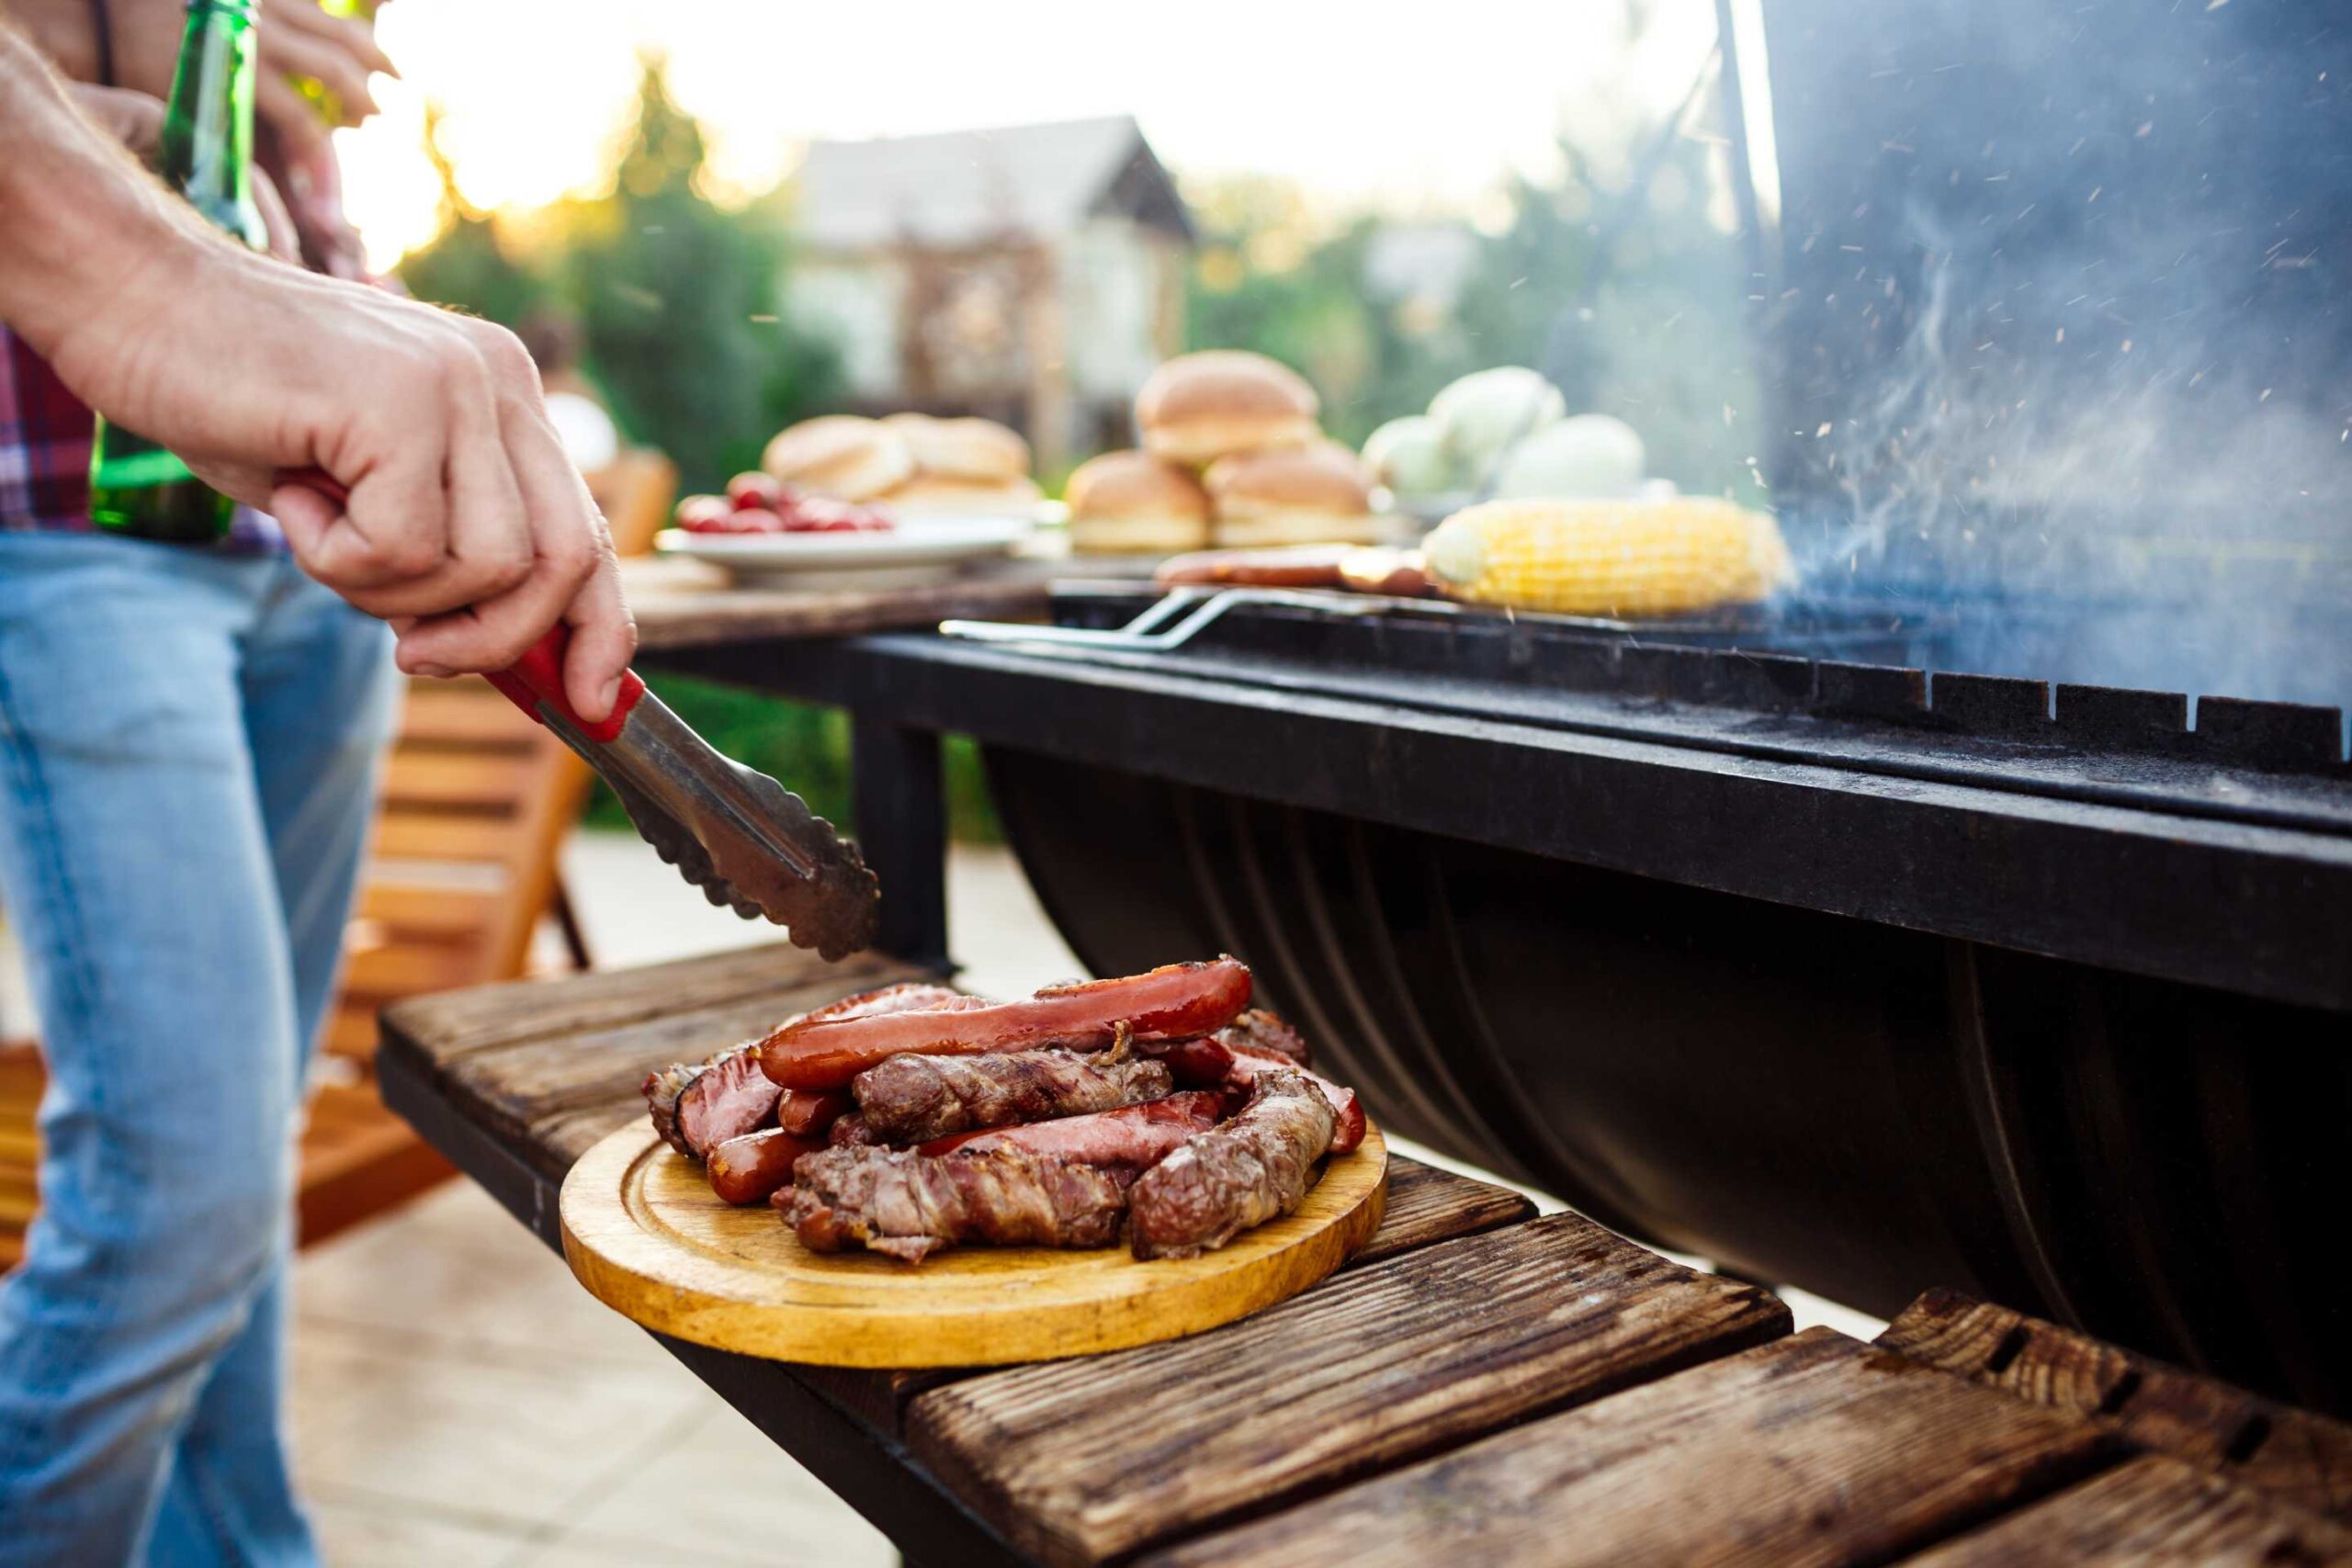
x=1807 y=1097
x=1756 y=939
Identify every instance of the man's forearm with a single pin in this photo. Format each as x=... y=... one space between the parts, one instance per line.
x=78 y=218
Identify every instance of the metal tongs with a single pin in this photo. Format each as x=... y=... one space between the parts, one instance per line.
x=748 y=842
x=1183 y=614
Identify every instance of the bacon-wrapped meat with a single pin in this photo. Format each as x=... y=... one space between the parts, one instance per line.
x=1133 y=1136
x=1262 y=1029
x=1250 y=1060
x=909 y=1205
x=911 y=1097
x=1223 y=1181
x=1170 y=1003
x=747 y=1169
x=696 y=1106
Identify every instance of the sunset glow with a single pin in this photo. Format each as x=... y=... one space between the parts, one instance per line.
x=1413 y=109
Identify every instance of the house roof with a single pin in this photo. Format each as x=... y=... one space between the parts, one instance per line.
x=970 y=186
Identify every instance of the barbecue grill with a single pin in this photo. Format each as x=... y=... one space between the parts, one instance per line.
x=2082 y=1051
x=1982 y=918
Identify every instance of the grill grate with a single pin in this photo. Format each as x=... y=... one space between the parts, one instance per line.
x=1824 y=660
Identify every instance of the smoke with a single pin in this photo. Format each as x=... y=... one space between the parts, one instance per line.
x=2065 y=335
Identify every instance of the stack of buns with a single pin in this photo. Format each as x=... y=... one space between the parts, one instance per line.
x=1232 y=455
x=910 y=463
x=1135 y=504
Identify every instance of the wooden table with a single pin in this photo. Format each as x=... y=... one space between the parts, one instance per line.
x=1479 y=1386
x=683 y=604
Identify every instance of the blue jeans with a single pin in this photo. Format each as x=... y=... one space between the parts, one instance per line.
x=187 y=757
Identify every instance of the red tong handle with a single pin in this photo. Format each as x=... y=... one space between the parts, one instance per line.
x=536 y=680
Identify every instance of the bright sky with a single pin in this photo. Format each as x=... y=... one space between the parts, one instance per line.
x=1417 y=104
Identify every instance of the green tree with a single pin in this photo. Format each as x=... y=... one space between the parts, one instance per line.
x=1629 y=298
x=678 y=299
x=1266 y=279
x=466 y=265
x=680 y=303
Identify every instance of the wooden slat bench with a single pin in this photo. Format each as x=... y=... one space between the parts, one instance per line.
x=1480 y=1386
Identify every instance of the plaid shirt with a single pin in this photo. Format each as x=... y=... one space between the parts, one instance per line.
x=45 y=433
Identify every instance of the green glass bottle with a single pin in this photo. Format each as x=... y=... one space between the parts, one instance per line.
x=137 y=487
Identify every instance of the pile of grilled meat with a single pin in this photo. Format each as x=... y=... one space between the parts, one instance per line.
x=1159 y=1106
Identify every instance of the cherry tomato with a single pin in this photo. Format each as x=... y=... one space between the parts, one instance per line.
x=700 y=510
x=754 y=489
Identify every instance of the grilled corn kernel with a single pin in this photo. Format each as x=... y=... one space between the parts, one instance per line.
x=1609 y=557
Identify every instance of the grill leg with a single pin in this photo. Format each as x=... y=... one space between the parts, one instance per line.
x=902 y=831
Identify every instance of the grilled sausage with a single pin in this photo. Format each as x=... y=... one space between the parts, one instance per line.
x=749 y=1168
x=1253 y=1169
x=1293 y=566
x=1250 y=1060
x=807 y=1113
x=1170 y=1003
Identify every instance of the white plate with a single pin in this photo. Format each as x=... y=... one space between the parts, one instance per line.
x=919 y=549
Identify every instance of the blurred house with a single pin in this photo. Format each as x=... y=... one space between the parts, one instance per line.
x=1032 y=274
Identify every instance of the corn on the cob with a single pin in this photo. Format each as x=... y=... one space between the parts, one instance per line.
x=1609 y=558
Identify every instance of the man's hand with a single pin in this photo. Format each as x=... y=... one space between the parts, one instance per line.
x=298 y=40
x=465 y=525
x=301 y=42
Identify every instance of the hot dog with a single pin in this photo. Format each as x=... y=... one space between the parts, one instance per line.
x=806 y=1112
x=1170 y=1003
x=749 y=1168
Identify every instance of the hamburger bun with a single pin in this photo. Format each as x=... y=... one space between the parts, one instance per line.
x=1307 y=495
x=978 y=449
x=935 y=495
x=1200 y=407
x=1132 y=503
x=840 y=454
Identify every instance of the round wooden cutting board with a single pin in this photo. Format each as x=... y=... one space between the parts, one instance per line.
x=643 y=1230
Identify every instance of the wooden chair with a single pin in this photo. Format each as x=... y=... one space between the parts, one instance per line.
x=477 y=801
x=461 y=871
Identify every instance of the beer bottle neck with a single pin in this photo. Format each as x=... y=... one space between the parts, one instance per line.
x=208 y=144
